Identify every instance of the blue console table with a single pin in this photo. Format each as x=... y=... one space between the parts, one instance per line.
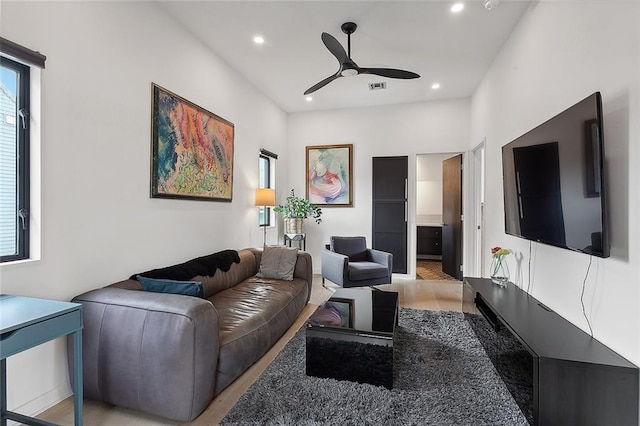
x=26 y=322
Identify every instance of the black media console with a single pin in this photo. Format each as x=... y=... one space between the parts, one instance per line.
x=557 y=373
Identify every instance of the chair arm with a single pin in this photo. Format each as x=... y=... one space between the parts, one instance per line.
x=152 y=352
x=335 y=266
x=382 y=257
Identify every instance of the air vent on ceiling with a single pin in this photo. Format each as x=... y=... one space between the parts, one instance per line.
x=377 y=86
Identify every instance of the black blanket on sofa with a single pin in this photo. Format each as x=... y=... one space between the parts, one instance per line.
x=205 y=266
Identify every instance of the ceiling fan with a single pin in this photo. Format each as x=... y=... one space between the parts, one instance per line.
x=348 y=67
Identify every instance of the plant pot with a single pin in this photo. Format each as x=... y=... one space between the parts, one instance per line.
x=293 y=225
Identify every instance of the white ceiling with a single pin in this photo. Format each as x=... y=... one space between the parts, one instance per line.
x=425 y=37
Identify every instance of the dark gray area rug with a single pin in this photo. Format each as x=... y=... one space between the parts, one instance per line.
x=442 y=376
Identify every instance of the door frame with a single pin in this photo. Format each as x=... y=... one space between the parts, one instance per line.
x=412 y=226
x=475 y=256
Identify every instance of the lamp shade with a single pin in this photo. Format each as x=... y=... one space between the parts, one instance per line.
x=265 y=197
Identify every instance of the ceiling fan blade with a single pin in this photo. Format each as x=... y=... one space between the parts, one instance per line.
x=335 y=47
x=321 y=84
x=389 y=72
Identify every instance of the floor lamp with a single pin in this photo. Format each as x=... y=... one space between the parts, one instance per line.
x=265 y=197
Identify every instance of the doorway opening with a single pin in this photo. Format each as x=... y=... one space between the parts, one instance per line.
x=439 y=216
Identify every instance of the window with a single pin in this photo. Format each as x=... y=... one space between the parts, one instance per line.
x=264 y=215
x=266 y=172
x=19 y=68
x=14 y=160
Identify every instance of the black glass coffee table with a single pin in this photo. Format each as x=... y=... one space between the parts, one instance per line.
x=350 y=337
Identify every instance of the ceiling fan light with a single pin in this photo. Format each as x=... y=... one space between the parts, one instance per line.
x=349 y=72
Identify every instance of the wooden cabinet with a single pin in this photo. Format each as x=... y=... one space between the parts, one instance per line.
x=429 y=242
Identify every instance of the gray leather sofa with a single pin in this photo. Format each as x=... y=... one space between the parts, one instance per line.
x=170 y=355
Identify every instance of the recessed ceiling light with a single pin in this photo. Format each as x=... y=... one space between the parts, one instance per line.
x=457 y=7
x=435 y=86
x=258 y=40
x=308 y=99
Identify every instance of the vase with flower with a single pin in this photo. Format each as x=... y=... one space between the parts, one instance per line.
x=499 y=270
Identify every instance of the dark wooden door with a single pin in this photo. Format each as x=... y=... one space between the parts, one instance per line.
x=390 y=208
x=452 y=216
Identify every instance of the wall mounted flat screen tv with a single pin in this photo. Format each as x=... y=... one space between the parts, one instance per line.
x=553 y=177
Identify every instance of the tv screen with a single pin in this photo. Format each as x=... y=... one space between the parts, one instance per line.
x=554 y=190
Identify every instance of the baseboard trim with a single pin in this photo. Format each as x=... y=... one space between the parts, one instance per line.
x=42 y=403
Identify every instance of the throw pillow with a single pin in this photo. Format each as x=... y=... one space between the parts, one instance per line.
x=278 y=262
x=188 y=288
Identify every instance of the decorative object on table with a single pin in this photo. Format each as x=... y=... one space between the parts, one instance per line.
x=329 y=175
x=295 y=210
x=192 y=150
x=265 y=197
x=499 y=268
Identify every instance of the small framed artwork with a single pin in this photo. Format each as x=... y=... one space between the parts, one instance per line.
x=191 y=150
x=329 y=175
x=336 y=312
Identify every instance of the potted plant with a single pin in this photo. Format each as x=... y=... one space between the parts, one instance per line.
x=295 y=211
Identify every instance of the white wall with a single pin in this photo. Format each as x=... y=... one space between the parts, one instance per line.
x=99 y=224
x=560 y=53
x=396 y=130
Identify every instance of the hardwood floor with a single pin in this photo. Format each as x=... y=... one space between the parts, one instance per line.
x=416 y=294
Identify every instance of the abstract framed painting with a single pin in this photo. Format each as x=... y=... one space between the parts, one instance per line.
x=191 y=150
x=329 y=175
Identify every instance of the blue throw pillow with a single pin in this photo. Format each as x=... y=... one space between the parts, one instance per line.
x=188 y=288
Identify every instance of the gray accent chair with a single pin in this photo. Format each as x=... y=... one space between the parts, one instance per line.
x=347 y=262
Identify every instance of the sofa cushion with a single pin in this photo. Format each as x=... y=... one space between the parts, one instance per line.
x=252 y=316
x=359 y=271
x=188 y=288
x=278 y=262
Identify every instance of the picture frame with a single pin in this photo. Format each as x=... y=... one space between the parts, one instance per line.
x=329 y=177
x=191 y=150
